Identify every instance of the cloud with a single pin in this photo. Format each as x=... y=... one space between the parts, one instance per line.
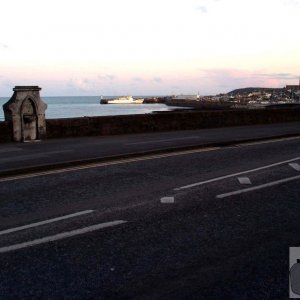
x=4 y=46
x=107 y=77
x=281 y=76
x=157 y=79
x=202 y=9
x=225 y=80
x=82 y=84
x=292 y=2
x=205 y=5
x=139 y=79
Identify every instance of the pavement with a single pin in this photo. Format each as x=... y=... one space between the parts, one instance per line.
x=20 y=158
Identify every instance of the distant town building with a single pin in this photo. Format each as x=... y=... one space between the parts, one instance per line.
x=186 y=97
x=293 y=88
x=297 y=95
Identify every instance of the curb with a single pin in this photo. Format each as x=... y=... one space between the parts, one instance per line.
x=75 y=163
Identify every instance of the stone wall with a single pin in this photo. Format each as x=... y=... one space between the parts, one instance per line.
x=112 y=125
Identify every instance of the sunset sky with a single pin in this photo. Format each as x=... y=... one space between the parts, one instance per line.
x=148 y=47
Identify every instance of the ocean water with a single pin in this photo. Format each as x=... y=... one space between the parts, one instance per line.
x=80 y=106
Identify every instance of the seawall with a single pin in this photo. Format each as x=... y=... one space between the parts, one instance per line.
x=112 y=125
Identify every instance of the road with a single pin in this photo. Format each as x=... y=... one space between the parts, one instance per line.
x=213 y=223
x=63 y=151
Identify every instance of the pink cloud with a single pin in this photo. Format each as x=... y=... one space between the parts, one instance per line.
x=225 y=80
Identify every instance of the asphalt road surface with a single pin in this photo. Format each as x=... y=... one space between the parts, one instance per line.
x=214 y=223
x=22 y=155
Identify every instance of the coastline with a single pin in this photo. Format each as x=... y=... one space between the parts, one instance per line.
x=78 y=106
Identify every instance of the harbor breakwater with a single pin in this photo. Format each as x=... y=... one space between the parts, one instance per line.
x=156 y=122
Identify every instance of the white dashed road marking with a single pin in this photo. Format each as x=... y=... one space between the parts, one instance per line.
x=244 y=180
x=235 y=174
x=167 y=200
x=295 y=166
x=257 y=187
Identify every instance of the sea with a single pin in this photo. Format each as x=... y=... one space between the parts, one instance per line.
x=81 y=106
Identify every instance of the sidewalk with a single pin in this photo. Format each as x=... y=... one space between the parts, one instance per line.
x=26 y=157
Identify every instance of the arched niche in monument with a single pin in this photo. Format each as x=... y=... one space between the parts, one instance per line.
x=25 y=112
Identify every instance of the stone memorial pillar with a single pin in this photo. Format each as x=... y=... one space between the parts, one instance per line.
x=25 y=111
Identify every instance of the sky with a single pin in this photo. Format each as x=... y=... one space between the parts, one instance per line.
x=148 y=47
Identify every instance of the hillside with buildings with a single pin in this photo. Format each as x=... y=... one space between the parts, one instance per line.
x=257 y=95
x=248 y=90
x=243 y=98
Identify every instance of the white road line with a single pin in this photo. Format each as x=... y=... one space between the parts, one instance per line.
x=235 y=174
x=244 y=180
x=45 y=222
x=295 y=166
x=257 y=187
x=60 y=236
x=103 y=164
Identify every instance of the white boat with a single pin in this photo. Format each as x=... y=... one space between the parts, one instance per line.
x=122 y=100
